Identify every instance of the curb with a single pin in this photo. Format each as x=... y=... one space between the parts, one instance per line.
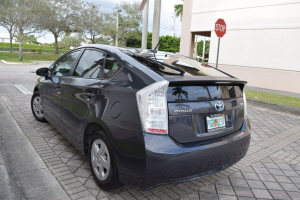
x=7 y=191
x=14 y=63
x=33 y=62
x=274 y=106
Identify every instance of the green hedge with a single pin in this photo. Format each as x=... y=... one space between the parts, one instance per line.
x=27 y=46
x=35 y=50
x=14 y=57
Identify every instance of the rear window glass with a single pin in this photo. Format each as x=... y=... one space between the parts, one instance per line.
x=202 y=93
x=190 y=66
x=193 y=67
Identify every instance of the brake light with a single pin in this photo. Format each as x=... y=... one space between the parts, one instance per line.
x=245 y=105
x=204 y=65
x=152 y=105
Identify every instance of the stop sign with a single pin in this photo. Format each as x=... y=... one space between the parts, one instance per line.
x=220 y=27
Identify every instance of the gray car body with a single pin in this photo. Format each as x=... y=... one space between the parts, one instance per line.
x=143 y=160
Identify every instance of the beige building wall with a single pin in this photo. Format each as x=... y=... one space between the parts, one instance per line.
x=260 y=33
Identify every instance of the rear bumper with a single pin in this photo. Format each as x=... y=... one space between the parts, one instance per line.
x=169 y=162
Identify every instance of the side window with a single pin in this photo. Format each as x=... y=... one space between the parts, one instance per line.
x=64 y=65
x=111 y=66
x=90 y=64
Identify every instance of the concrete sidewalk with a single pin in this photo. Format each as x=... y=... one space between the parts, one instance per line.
x=279 y=80
x=24 y=175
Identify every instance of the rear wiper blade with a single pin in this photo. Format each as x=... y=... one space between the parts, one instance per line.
x=155 y=62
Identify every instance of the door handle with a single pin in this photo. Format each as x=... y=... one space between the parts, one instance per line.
x=89 y=95
x=58 y=89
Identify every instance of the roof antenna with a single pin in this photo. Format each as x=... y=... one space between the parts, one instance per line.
x=154 y=50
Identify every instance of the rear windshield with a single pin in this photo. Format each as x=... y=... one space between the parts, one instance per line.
x=202 y=93
x=190 y=66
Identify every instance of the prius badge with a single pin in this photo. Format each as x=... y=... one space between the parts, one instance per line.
x=183 y=110
x=219 y=105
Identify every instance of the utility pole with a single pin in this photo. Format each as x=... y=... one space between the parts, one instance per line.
x=203 y=50
x=156 y=23
x=196 y=48
x=117 y=27
x=174 y=18
x=145 y=25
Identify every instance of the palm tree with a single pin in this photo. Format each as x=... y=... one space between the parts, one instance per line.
x=178 y=9
x=156 y=21
x=178 y=91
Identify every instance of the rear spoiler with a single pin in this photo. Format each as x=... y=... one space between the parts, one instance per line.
x=204 y=81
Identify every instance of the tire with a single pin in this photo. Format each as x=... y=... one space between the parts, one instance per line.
x=102 y=163
x=36 y=107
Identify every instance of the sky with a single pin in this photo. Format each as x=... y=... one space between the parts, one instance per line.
x=167 y=20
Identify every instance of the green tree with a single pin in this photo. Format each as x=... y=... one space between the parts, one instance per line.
x=27 y=14
x=200 y=48
x=29 y=39
x=92 y=23
x=71 y=41
x=178 y=9
x=60 y=17
x=130 y=20
x=7 y=19
x=169 y=43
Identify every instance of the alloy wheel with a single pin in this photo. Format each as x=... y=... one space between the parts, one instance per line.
x=100 y=159
x=37 y=107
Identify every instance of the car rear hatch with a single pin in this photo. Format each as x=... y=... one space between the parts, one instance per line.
x=204 y=109
x=203 y=102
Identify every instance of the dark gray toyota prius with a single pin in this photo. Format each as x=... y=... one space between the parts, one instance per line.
x=144 y=118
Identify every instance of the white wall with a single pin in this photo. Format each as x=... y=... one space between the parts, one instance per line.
x=260 y=33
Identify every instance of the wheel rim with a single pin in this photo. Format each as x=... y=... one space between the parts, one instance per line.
x=37 y=107
x=100 y=159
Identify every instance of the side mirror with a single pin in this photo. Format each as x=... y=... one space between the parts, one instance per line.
x=42 y=71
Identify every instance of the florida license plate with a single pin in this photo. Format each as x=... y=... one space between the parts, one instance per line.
x=215 y=122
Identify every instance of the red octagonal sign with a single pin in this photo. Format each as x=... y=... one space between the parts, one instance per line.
x=220 y=27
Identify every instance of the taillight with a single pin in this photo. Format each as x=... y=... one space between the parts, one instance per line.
x=245 y=105
x=152 y=104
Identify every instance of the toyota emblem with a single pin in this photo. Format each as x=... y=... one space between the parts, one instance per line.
x=219 y=105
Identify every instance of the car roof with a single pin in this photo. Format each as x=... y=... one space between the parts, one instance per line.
x=137 y=51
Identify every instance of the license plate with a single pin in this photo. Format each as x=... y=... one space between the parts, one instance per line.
x=217 y=122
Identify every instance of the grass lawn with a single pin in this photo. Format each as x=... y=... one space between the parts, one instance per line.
x=273 y=98
x=28 y=57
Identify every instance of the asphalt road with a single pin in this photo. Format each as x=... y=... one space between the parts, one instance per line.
x=19 y=79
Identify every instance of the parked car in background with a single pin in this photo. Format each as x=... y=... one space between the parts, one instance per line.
x=144 y=118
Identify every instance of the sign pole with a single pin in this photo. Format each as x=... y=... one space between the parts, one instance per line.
x=218 y=53
x=220 y=30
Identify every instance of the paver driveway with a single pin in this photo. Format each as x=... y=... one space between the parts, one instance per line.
x=271 y=169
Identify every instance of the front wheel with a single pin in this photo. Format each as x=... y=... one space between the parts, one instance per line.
x=36 y=107
x=103 y=167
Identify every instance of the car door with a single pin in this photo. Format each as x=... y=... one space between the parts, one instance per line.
x=80 y=92
x=51 y=87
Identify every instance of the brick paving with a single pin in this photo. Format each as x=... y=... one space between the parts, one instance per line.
x=271 y=169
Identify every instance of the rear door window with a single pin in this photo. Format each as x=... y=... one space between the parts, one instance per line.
x=90 y=64
x=111 y=66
